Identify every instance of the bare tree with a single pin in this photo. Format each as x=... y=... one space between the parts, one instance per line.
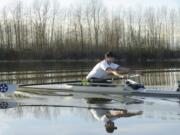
x=46 y=32
x=96 y=14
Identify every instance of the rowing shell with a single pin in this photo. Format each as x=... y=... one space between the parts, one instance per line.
x=107 y=89
x=7 y=88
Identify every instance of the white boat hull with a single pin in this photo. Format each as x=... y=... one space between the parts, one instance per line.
x=119 y=89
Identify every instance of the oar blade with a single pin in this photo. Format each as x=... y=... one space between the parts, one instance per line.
x=6 y=104
x=7 y=88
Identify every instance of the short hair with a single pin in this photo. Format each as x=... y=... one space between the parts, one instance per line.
x=109 y=54
x=109 y=127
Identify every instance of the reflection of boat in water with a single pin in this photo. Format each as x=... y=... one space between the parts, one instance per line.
x=151 y=107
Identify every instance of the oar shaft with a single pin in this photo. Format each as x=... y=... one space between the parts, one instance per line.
x=76 y=81
x=21 y=85
x=126 y=77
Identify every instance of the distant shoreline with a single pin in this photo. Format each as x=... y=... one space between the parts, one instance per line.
x=91 y=60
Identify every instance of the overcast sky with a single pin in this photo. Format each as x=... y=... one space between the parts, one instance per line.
x=108 y=3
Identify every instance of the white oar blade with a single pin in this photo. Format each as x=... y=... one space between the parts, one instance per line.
x=7 y=88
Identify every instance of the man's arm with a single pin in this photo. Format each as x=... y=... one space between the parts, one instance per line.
x=114 y=72
x=124 y=69
x=130 y=114
x=123 y=114
x=128 y=70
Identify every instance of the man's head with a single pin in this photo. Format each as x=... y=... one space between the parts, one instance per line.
x=110 y=127
x=109 y=56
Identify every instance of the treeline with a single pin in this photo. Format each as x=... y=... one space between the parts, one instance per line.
x=47 y=30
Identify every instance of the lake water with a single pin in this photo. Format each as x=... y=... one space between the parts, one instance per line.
x=25 y=113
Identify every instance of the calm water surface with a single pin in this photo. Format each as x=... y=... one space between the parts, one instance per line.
x=77 y=113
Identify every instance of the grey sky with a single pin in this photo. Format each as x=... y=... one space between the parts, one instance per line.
x=108 y=3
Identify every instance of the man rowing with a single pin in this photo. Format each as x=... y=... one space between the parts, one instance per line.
x=104 y=68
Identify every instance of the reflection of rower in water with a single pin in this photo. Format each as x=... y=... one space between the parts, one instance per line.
x=108 y=116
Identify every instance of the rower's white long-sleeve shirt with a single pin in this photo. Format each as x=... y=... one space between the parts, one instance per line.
x=99 y=71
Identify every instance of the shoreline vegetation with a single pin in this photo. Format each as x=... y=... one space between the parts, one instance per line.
x=87 y=60
x=47 y=31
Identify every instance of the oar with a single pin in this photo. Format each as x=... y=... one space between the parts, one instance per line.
x=125 y=77
x=7 y=88
x=5 y=104
x=72 y=106
x=78 y=81
x=71 y=81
